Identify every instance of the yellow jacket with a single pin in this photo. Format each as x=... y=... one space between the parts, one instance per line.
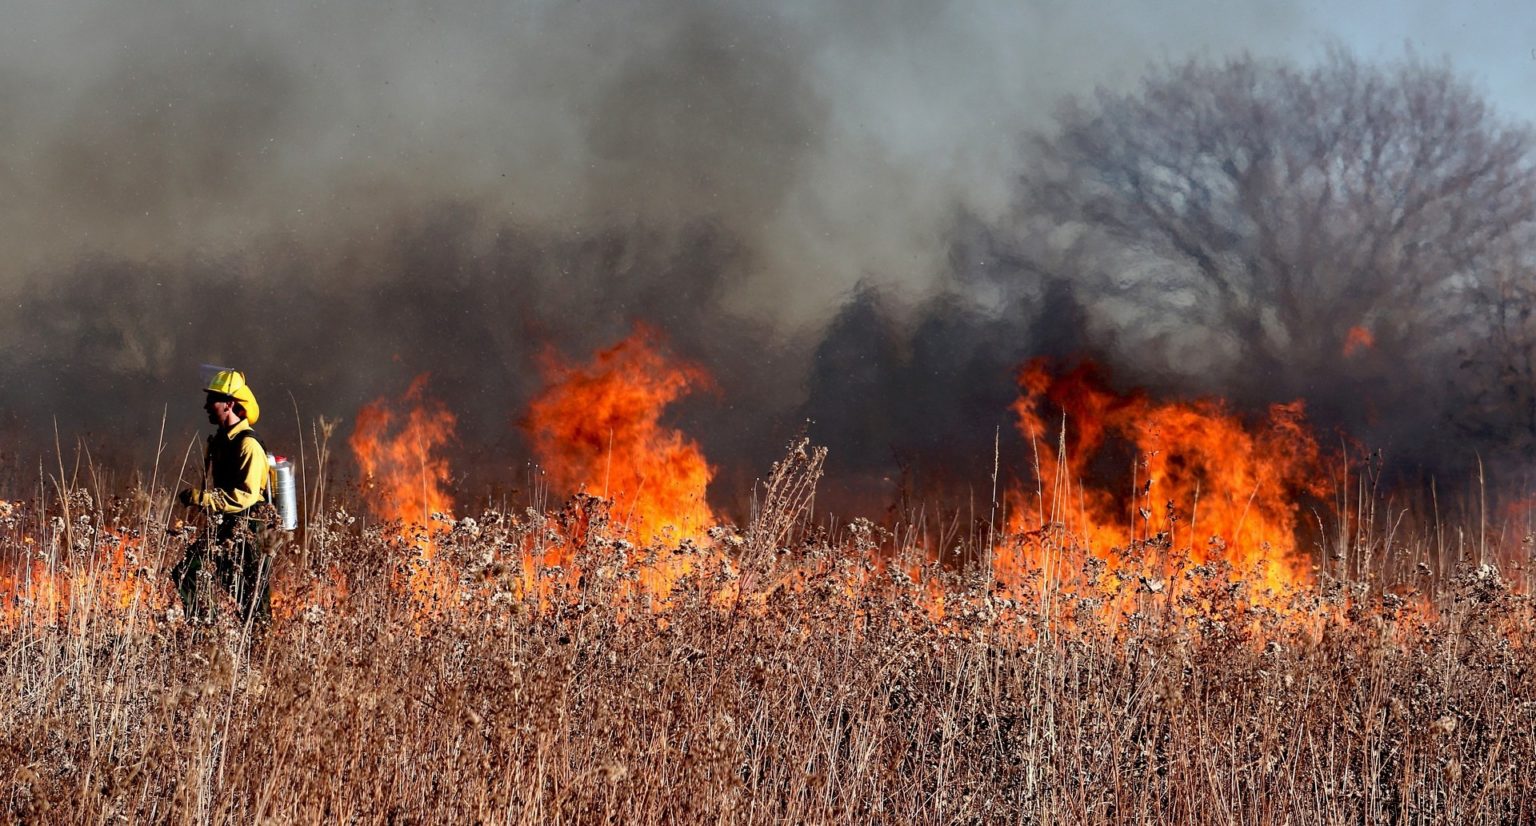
x=236 y=471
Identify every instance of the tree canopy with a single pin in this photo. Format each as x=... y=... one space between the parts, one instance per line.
x=1286 y=212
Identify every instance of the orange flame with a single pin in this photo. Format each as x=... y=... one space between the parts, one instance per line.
x=104 y=574
x=1236 y=487
x=598 y=428
x=1358 y=339
x=399 y=453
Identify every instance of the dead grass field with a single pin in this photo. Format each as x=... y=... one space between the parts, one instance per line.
x=812 y=681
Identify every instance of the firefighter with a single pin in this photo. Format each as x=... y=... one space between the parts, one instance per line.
x=234 y=498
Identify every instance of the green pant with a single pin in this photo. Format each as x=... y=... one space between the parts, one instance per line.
x=236 y=563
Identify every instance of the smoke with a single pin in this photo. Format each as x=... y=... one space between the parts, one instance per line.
x=916 y=395
x=834 y=142
x=810 y=200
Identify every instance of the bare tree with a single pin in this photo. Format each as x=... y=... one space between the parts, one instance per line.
x=1496 y=377
x=1283 y=212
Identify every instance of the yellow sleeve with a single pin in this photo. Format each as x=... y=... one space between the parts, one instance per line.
x=253 y=467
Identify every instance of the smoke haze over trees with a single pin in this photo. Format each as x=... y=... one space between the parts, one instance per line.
x=1238 y=222
x=867 y=227
x=1351 y=234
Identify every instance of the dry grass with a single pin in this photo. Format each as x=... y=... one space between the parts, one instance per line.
x=824 y=689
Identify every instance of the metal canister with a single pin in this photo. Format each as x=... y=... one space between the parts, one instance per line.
x=283 y=492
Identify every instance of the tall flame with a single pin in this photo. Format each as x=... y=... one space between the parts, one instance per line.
x=399 y=449
x=1225 y=489
x=598 y=428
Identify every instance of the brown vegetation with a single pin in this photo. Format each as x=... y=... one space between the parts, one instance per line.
x=790 y=676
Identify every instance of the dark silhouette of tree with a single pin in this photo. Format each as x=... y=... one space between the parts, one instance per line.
x=1496 y=378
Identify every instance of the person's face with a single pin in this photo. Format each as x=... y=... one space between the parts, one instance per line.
x=220 y=410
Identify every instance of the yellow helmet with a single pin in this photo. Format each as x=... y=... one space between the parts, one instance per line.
x=231 y=383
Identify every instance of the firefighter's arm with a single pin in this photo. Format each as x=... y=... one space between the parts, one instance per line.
x=253 y=477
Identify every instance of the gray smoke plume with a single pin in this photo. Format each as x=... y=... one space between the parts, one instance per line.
x=811 y=200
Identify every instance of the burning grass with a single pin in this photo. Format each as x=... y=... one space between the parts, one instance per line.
x=1078 y=656
x=789 y=675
